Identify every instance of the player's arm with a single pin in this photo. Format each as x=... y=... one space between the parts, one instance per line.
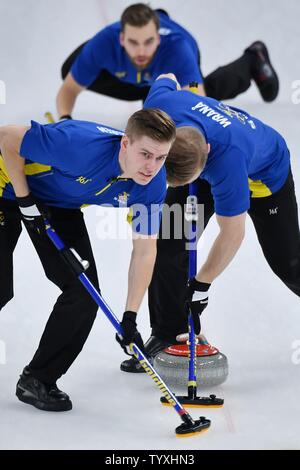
x=200 y=87
x=140 y=269
x=226 y=245
x=95 y=56
x=230 y=190
x=139 y=277
x=199 y=91
x=164 y=83
x=10 y=142
x=67 y=96
x=171 y=76
x=11 y=138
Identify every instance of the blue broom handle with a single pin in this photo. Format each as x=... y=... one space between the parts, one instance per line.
x=79 y=268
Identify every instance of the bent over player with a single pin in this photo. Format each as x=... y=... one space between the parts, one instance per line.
x=247 y=171
x=52 y=170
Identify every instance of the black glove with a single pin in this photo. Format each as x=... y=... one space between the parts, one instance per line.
x=131 y=334
x=31 y=215
x=65 y=117
x=196 y=300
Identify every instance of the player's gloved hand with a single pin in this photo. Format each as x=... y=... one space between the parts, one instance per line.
x=64 y=117
x=131 y=334
x=196 y=300
x=32 y=215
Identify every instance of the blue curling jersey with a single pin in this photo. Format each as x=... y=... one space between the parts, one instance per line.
x=177 y=53
x=75 y=163
x=247 y=157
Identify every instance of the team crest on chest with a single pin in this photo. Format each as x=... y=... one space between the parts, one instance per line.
x=122 y=198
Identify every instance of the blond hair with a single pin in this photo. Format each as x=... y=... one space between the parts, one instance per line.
x=152 y=123
x=187 y=156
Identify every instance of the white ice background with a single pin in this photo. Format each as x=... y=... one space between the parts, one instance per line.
x=252 y=317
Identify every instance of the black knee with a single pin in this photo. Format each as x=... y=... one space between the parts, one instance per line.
x=6 y=298
x=65 y=69
x=70 y=60
x=90 y=307
x=85 y=303
x=293 y=283
x=290 y=276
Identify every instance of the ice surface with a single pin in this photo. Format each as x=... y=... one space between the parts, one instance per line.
x=252 y=316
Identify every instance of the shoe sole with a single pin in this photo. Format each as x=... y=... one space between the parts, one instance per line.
x=137 y=368
x=274 y=78
x=67 y=406
x=132 y=370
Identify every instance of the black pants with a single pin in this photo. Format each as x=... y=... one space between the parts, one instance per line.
x=224 y=83
x=74 y=311
x=276 y=223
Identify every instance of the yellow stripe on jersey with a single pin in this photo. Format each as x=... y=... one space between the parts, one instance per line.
x=3 y=173
x=4 y=179
x=36 y=168
x=113 y=181
x=139 y=77
x=105 y=188
x=258 y=188
x=30 y=169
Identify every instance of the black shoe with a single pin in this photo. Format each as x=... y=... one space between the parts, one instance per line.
x=43 y=396
x=152 y=347
x=262 y=71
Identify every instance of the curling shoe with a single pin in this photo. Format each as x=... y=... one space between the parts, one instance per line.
x=262 y=71
x=40 y=395
x=152 y=347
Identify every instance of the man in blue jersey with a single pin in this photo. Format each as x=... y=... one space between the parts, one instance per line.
x=125 y=58
x=53 y=170
x=247 y=171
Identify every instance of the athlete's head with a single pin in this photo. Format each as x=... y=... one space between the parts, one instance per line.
x=139 y=33
x=148 y=137
x=187 y=156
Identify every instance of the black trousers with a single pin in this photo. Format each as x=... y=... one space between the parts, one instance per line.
x=276 y=223
x=74 y=312
x=224 y=83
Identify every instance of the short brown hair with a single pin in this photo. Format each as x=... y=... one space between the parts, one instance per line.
x=152 y=123
x=139 y=15
x=187 y=156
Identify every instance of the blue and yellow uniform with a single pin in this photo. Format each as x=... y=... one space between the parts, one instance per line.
x=74 y=163
x=248 y=169
x=247 y=157
x=178 y=53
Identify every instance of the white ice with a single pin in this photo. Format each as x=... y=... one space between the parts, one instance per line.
x=252 y=317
